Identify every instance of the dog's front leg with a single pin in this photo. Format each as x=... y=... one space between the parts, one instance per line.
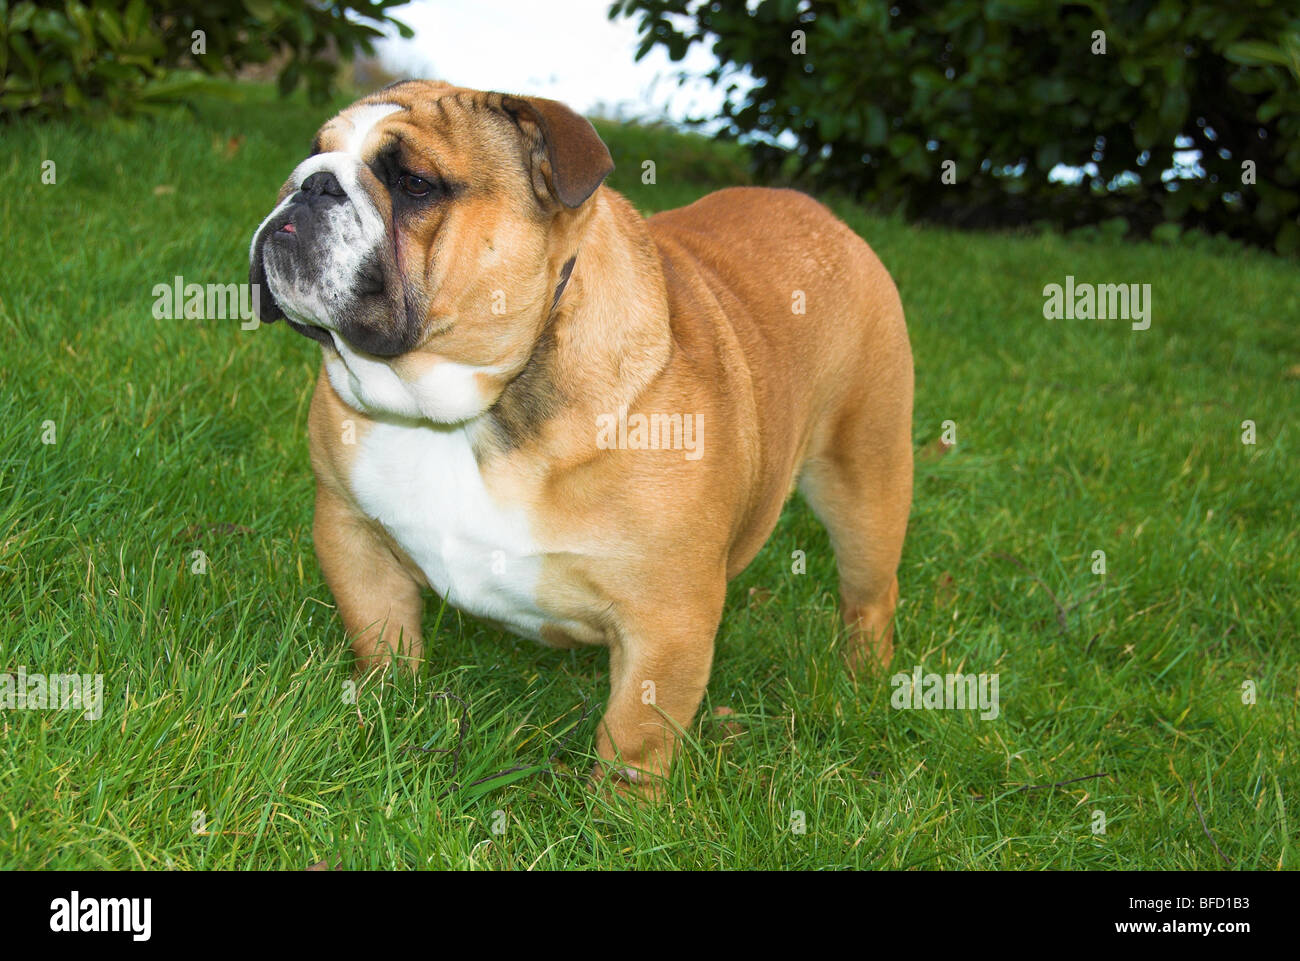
x=659 y=667
x=378 y=599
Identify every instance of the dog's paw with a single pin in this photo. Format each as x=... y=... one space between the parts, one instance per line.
x=618 y=780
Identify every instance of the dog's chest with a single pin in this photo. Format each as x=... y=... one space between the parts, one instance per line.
x=423 y=484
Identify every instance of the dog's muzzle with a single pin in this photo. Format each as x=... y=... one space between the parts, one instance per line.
x=322 y=250
x=295 y=236
x=301 y=230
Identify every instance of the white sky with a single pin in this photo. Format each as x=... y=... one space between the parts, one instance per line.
x=567 y=50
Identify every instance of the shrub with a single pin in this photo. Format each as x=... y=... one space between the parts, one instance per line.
x=1009 y=89
x=129 y=55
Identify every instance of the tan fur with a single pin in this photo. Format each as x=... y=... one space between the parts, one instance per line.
x=690 y=311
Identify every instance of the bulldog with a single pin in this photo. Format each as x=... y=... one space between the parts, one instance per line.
x=570 y=420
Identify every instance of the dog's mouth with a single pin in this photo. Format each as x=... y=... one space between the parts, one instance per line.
x=267 y=308
x=296 y=247
x=313 y=331
x=368 y=286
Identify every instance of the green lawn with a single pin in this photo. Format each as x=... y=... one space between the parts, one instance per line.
x=225 y=692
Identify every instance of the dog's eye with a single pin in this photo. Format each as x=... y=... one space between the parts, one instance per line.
x=415 y=186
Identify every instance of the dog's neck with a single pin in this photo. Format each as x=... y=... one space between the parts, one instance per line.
x=607 y=337
x=614 y=339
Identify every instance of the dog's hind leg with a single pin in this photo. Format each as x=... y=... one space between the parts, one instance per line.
x=858 y=480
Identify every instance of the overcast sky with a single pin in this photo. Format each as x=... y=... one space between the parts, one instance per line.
x=567 y=50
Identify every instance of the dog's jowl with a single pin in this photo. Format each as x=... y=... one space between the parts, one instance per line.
x=571 y=420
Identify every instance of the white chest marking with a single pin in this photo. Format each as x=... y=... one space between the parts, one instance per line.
x=423 y=485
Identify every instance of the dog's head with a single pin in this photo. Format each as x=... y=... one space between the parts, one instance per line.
x=424 y=239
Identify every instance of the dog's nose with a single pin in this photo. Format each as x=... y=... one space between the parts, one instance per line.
x=322 y=182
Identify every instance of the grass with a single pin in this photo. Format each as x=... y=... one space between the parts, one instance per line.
x=226 y=692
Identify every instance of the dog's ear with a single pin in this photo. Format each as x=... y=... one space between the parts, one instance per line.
x=577 y=158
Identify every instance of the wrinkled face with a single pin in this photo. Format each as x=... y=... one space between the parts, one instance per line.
x=422 y=241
